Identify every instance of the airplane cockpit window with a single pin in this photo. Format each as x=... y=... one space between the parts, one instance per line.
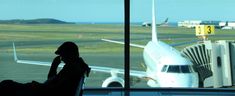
x=186 y=69
x=177 y=69
x=164 y=68
x=173 y=69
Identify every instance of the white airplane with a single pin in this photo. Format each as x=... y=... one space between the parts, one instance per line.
x=226 y=26
x=147 y=24
x=166 y=67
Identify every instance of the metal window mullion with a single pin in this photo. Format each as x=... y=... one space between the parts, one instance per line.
x=127 y=46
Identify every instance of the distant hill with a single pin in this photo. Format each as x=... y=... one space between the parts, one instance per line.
x=34 y=21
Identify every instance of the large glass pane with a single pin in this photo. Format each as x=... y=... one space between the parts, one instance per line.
x=39 y=27
x=175 y=27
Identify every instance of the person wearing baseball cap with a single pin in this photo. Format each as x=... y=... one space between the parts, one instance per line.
x=66 y=81
x=62 y=83
x=68 y=48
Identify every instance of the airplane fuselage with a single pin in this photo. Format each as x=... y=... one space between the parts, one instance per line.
x=167 y=67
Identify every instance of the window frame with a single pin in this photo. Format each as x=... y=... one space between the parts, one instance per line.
x=127 y=47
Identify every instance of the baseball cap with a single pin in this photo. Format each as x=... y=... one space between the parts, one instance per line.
x=67 y=48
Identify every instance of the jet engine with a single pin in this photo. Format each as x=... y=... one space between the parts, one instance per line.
x=113 y=82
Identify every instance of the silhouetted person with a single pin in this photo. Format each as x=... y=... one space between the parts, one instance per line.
x=63 y=83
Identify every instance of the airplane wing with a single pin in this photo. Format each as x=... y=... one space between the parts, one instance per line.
x=183 y=43
x=118 y=42
x=30 y=61
x=135 y=73
x=142 y=46
x=119 y=71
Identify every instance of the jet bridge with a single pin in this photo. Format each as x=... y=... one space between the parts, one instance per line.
x=214 y=62
x=200 y=56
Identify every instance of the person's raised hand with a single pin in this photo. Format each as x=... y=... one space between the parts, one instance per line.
x=56 y=61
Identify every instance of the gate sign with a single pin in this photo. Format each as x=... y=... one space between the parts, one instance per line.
x=203 y=30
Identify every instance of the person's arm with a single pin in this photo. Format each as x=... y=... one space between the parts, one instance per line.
x=54 y=66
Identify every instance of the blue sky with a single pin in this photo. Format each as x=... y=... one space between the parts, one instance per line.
x=113 y=10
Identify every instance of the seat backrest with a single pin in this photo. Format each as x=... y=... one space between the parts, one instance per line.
x=80 y=86
x=81 y=83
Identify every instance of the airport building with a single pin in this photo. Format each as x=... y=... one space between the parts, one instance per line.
x=215 y=23
x=189 y=23
x=193 y=23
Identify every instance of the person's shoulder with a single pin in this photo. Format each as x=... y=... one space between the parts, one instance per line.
x=83 y=63
x=81 y=60
x=84 y=66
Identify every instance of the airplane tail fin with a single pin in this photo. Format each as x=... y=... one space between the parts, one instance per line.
x=226 y=24
x=14 y=52
x=154 y=31
x=166 y=21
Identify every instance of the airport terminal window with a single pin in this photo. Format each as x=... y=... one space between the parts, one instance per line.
x=37 y=28
x=175 y=24
x=86 y=22
x=174 y=27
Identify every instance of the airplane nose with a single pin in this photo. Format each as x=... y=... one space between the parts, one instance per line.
x=173 y=83
x=179 y=80
x=186 y=80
